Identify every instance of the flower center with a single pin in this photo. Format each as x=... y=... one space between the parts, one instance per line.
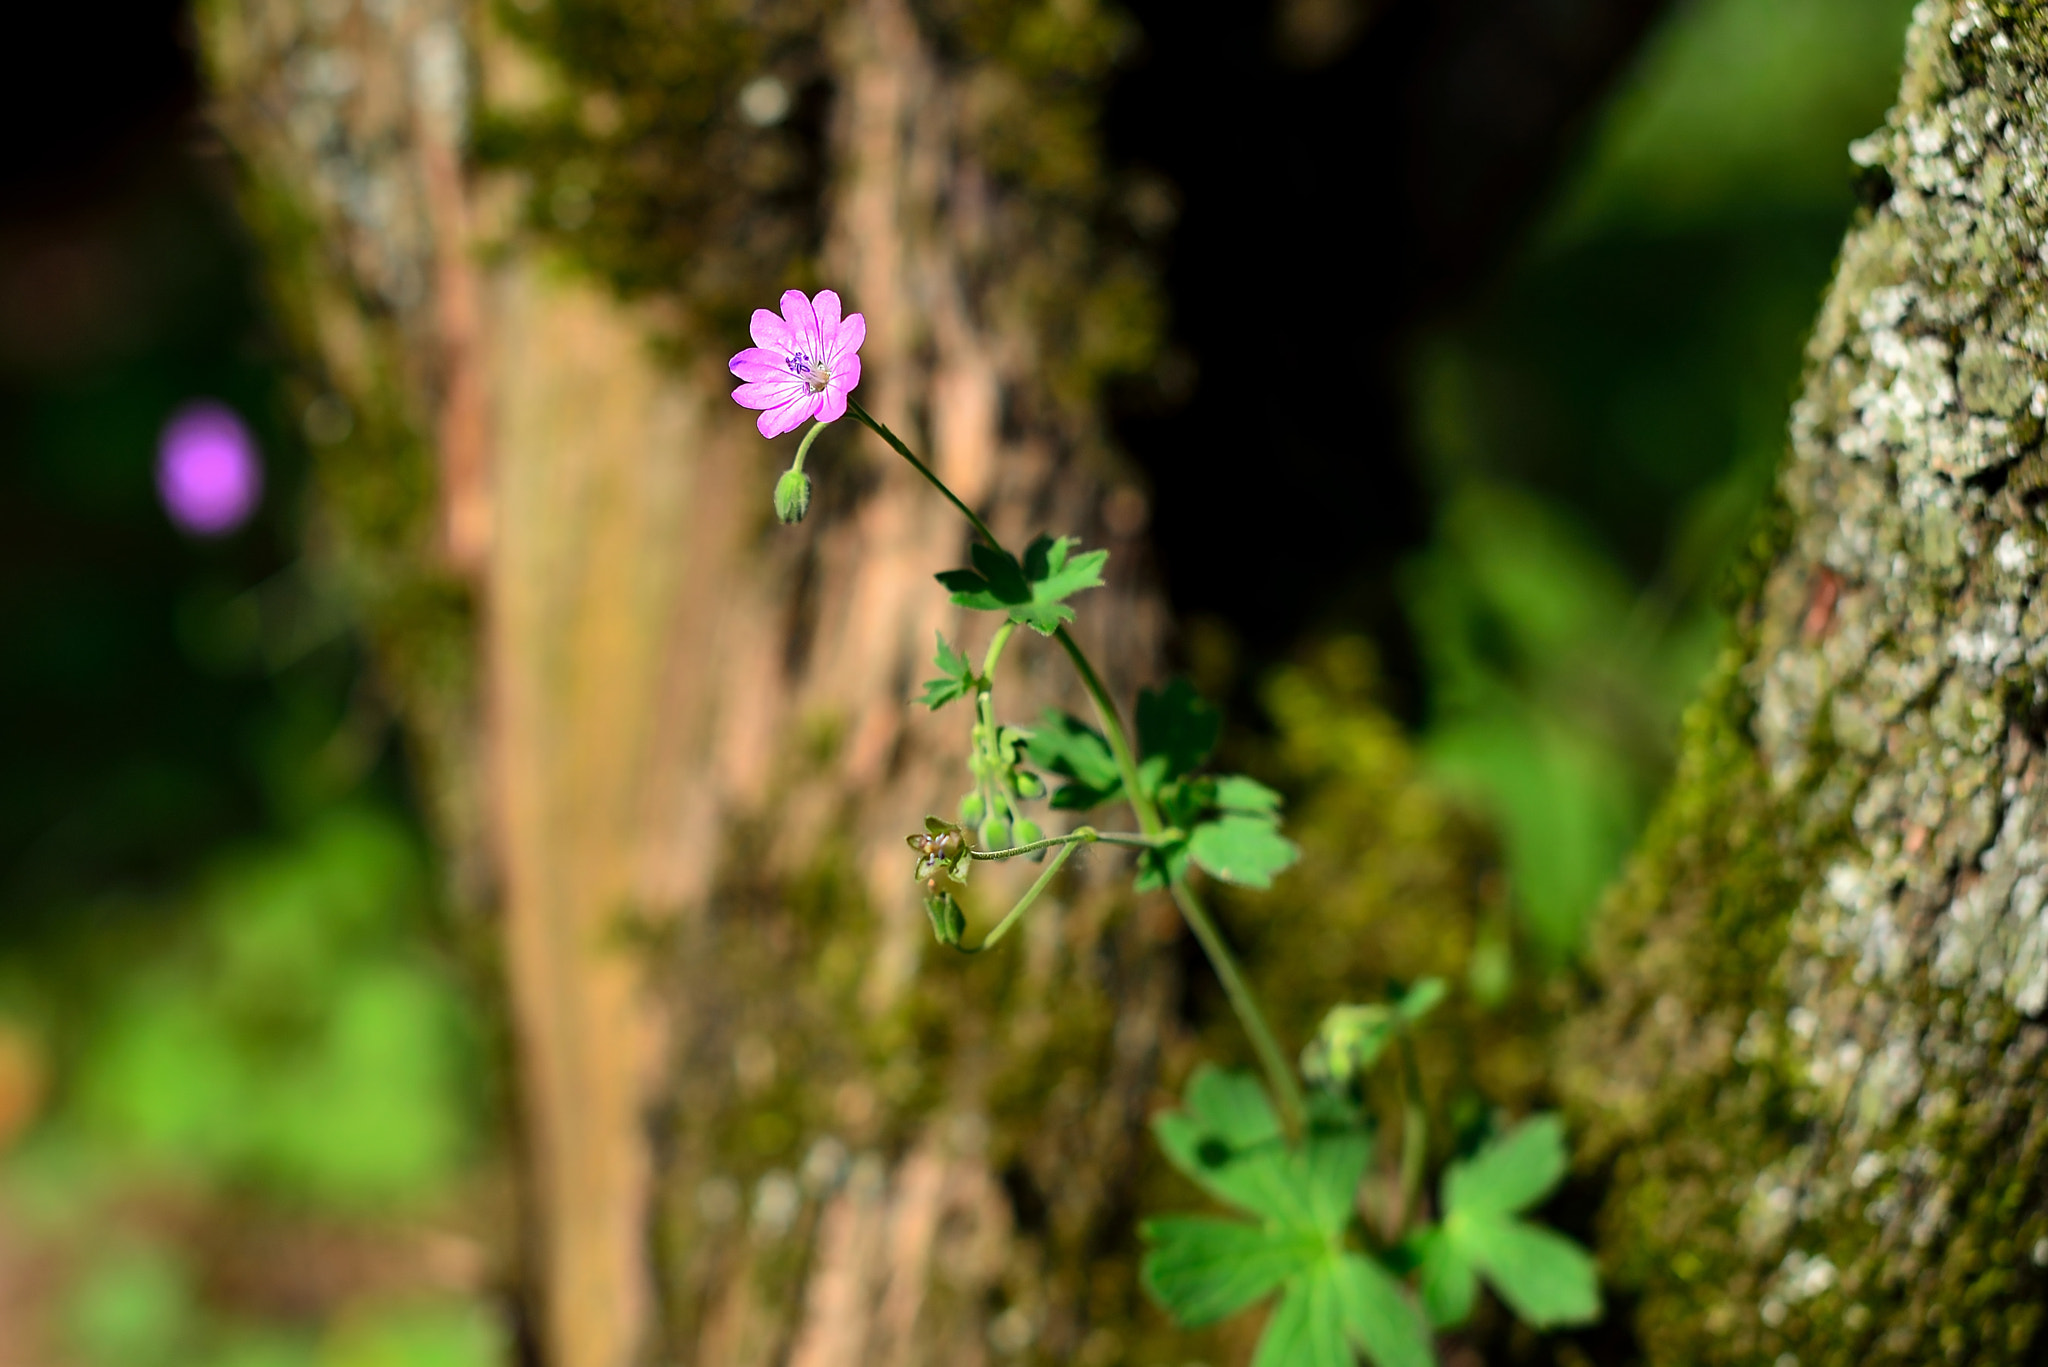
x=815 y=377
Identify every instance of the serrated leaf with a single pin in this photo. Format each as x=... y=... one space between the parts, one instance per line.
x=1236 y=793
x=1031 y=593
x=1511 y=1174
x=1203 y=1269
x=1449 y=1283
x=1177 y=729
x=1382 y=1321
x=1246 y=850
x=1307 y=1330
x=1069 y=747
x=956 y=677
x=1545 y=1278
x=1055 y=573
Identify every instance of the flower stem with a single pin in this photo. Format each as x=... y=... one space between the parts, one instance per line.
x=803 y=448
x=1024 y=903
x=980 y=527
x=995 y=653
x=1080 y=835
x=1279 y=1076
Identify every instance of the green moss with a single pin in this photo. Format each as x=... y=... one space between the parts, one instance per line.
x=645 y=168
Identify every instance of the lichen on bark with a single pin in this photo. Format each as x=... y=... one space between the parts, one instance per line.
x=1815 y=1070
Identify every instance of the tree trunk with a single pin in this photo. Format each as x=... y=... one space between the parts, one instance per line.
x=668 y=741
x=1816 y=1068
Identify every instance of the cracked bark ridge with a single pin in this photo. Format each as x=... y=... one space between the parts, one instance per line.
x=1816 y=1069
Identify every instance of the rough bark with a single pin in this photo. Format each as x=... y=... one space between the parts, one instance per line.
x=668 y=741
x=1816 y=1069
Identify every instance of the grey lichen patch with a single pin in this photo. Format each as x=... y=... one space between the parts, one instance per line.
x=1816 y=1069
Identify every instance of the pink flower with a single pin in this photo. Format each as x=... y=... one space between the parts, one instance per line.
x=804 y=364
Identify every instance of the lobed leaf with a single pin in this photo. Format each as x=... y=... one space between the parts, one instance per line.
x=1071 y=748
x=1511 y=1174
x=1203 y=1269
x=1545 y=1278
x=1031 y=592
x=1246 y=850
x=956 y=677
x=1382 y=1320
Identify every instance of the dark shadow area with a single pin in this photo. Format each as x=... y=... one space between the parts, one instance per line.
x=1345 y=177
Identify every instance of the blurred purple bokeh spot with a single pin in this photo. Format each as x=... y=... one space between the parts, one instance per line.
x=207 y=469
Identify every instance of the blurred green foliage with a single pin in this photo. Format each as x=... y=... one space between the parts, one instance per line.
x=1602 y=424
x=243 y=1091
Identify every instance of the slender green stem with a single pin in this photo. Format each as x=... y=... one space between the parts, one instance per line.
x=1279 y=1075
x=853 y=407
x=1080 y=835
x=1414 y=1134
x=803 y=448
x=995 y=652
x=1024 y=903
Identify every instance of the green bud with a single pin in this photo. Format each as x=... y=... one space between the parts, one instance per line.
x=948 y=921
x=792 y=496
x=1027 y=831
x=1029 y=784
x=995 y=834
x=972 y=809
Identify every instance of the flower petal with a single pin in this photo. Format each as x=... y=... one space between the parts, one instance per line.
x=852 y=333
x=789 y=416
x=759 y=363
x=769 y=393
x=826 y=306
x=845 y=375
x=832 y=403
x=770 y=331
x=803 y=323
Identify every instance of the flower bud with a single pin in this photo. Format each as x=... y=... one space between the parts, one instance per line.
x=995 y=834
x=972 y=809
x=792 y=496
x=948 y=921
x=1026 y=832
x=1029 y=784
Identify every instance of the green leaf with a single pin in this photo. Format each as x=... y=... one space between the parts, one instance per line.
x=1449 y=1282
x=1177 y=728
x=1308 y=1328
x=1227 y=1138
x=1511 y=1174
x=1162 y=866
x=956 y=678
x=1382 y=1320
x=1074 y=750
x=1203 y=1269
x=1545 y=1278
x=1236 y=793
x=1246 y=850
x=1031 y=593
x=1420 y=999
x=1335 y=1163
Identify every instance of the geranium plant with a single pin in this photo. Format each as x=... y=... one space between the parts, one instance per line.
x=1287 y=1153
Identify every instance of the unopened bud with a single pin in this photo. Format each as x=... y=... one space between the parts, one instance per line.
x=971 y=810
x=1027 y=833
x=995 y=834
x=792 y=496
x=948 y=921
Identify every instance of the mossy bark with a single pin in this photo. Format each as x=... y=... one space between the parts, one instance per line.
x=669 y=742
x=1816 y=1069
